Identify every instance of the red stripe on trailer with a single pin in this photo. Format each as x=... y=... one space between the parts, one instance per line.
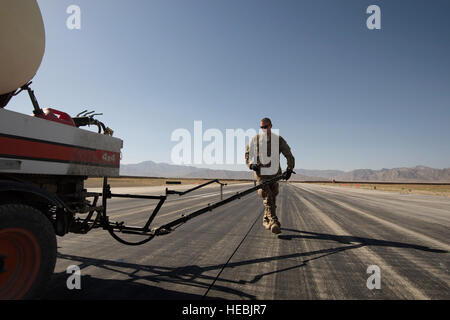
x=46 y=150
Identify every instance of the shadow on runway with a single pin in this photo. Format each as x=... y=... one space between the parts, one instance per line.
x=93 y=288
x=190 y=276
x=142 y=280
x=355 y=240
x=133 y=288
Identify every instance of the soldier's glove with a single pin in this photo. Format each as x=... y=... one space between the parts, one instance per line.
x=287 y=174
x=254 y=167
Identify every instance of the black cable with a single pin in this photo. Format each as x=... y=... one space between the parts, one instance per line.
x=235 y=250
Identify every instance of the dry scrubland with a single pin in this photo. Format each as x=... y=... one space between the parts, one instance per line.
x=428 y=189
x=145 y=182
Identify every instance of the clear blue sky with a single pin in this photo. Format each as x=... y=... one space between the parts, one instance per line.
x=343 y=96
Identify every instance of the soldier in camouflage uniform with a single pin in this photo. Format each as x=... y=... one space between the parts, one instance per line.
x=260 y=145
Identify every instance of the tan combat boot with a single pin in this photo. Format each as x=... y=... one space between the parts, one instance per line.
x=275 y=227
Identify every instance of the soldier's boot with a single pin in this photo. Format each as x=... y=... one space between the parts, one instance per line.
x=275 y=227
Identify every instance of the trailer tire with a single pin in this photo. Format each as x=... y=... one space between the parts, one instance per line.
x=27 y=252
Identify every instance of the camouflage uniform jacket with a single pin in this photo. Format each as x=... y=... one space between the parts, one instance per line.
x=252 y=151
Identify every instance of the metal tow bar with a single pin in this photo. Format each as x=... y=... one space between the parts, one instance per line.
x=113 y=227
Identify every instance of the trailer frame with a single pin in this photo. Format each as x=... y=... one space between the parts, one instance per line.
x=102 y=220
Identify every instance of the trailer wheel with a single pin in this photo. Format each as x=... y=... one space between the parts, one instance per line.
x=27 y=252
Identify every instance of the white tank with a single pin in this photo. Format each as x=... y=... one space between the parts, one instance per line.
x=22 y=38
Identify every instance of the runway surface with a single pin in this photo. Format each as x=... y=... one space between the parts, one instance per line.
x=330 y=237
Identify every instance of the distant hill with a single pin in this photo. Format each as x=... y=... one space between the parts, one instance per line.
x=415 y=174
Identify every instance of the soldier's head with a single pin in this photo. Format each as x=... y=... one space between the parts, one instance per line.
x=266 y=125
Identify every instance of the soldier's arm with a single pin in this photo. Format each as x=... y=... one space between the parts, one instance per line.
x=286 y=151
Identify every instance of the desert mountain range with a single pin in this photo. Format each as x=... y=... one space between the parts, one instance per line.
x=414 y=174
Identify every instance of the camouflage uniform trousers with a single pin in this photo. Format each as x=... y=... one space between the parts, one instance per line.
x=269 y=194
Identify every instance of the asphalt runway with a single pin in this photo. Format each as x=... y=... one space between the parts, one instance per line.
x=330 y=237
